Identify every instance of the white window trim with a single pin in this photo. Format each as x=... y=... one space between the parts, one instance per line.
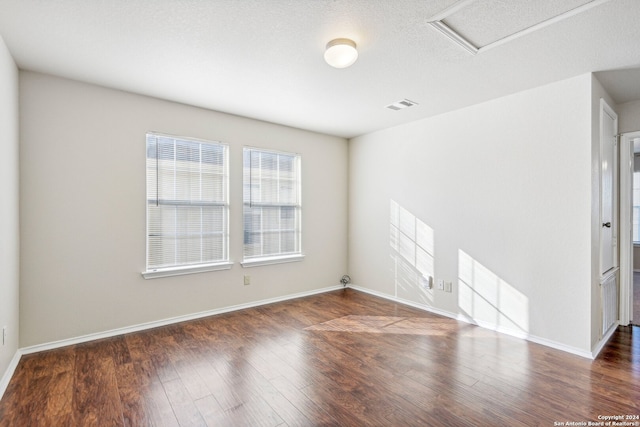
x=282 y=258
x=271 y=260
x=199 y=268
x=179 y=271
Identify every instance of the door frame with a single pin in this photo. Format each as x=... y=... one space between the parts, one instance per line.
x=626 y=226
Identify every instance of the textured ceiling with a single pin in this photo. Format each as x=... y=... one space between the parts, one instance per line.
x=484 y=22
x=264 y=58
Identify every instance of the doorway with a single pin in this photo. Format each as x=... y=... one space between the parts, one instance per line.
x=635 y=318
x=630 y=228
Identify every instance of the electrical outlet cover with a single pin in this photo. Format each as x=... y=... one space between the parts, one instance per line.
x=426 y=282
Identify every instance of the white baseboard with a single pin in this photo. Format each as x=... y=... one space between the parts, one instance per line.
x=485 y=325
x=169 y=321
x=4 y=382
x=404 y=301
x=600 y=345
x=560 y=346
x=150 y=325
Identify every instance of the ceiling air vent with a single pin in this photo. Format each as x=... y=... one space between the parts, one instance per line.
x=399 y=105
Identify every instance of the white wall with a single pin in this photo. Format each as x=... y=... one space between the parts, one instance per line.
x=9 y=222
x=500 y=198
x=628 y=116
x=83 y=210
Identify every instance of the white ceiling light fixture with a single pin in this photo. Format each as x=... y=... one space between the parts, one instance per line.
x=341 y=53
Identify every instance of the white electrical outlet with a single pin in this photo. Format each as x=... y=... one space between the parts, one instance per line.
x=4 y=335
x=441 y=285
x=426 y=282
x=247 y=280
x=448 y=286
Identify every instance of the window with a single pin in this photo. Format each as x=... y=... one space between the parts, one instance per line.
x=187 y=206
x=272 y=207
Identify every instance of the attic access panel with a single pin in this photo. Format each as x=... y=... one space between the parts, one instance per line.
x=478 y=25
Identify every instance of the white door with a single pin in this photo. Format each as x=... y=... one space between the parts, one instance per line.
x=608 y=188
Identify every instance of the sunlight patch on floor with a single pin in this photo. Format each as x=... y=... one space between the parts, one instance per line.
x=387 y=325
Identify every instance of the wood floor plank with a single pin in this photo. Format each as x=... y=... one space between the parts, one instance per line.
x=370 y=383
x=183 y=405
x=262 y=392
x=341 y=406
x=342 y=358
x=184 y=362
x=250 y=413
x=134 y=408
x=14 y=403
x=59 y=408
x=41 y=390
x=310 y=409
x=155 y=398
x=210 y=410
x=96 y=398
x=225 y=395
x=38 y=394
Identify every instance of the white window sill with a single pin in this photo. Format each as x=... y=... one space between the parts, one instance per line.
x=178 y=271
x=271 y=260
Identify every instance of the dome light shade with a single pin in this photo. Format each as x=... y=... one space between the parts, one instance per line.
x=341 y=53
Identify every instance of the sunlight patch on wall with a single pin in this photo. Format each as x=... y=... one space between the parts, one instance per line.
x=488 y=300
x=412 y=253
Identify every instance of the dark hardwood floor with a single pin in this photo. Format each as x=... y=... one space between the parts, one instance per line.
x=338 y=359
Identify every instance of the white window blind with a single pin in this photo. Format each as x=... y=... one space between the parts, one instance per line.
x=187 y=202
x=272 y=204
